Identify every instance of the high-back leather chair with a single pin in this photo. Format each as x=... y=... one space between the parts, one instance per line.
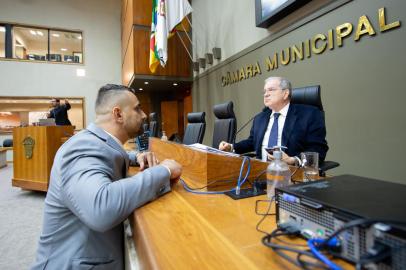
x=8 y=143
x=195 y=128
x=310 y=95
x=225 y=125
x=153 y=124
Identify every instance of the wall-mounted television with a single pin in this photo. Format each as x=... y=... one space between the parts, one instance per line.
x=268 y=12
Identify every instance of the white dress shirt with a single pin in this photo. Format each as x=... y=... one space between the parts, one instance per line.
x=281 y=124
x=115 y=138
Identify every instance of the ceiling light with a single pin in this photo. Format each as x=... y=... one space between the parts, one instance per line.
x=81 y=72
x=2 y=29
x=146 y=82
x=33 y=32
x=63 y=49
x=79 y=37
x=140 y=89
x=175 y=84
x=40 y=33
x=55 y=35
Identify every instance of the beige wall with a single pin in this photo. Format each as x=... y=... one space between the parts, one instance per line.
x=362 y=84
x=100 y=23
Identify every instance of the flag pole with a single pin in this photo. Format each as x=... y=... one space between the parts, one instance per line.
x=184 y=45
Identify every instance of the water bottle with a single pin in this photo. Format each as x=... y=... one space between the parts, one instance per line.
x=164 y=137
x=277 y=174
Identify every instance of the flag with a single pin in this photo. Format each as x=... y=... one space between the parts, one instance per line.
x=166 y=15
x=153 y=54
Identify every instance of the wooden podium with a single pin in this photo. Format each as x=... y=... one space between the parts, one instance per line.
x=34 y=151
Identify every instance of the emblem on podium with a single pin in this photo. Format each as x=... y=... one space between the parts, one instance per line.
x=28 y=143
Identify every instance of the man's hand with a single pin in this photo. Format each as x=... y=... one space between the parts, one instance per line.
x=174 y=167
x=289 y=160
x=225 y=146
x=146 y=160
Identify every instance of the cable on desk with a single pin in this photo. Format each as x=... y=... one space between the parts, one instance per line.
x=240 y=181
x=263 y=215
x=278 y=249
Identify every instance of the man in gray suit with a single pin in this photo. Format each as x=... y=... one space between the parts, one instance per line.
x=90 y=194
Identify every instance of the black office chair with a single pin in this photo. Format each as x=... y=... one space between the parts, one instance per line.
x=310 y=95
x=8 y=143
x=195 y=129
x=153 y=125
x=145 y=126
x=225 y=125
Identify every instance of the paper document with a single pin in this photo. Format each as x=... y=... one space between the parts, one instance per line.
x=208 y=149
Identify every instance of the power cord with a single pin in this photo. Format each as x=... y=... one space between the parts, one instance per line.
x=279 y=249
x=240 y=181
x=263 y=215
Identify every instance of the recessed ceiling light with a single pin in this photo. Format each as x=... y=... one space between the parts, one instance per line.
x=40 y=33
x=81 y=72
x=64 y=49
x=79 y=37
x=140 y=89
x=33 y=32
x=146 y=82
x=175 y=84
x=2 y=29
x=55 y=35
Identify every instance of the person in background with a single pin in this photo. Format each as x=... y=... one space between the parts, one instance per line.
x=300 y=128
x=60 y=112
x=90 y=193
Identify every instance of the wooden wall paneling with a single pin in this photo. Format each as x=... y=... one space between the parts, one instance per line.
x=126 y=27
x=187 y=106
x=141 y=51
x=123 y=12
x=178 y=65
x=142 y=12
x=145 y=102
x=181 y=122
x=128 y=64
x=169 y=116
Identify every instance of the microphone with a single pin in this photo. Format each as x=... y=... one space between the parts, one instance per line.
x=243 y=126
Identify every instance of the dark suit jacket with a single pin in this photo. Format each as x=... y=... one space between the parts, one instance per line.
x=304 y=130
x=60 y=114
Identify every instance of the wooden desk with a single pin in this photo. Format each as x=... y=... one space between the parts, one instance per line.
x=182 y=230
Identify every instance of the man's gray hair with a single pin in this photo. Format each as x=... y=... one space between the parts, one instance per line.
x=283 y=83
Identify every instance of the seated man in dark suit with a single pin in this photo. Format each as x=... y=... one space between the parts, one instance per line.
x=60 y=112
x=300 y=128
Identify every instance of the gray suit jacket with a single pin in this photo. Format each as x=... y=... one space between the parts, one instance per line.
x=88 y=198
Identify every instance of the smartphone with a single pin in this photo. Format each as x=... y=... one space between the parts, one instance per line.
x=142 y=141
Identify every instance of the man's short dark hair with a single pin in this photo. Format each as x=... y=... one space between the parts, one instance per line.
x=109 y=89
x=56 y=99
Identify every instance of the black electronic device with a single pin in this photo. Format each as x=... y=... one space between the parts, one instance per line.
x=319 y=208
x=142 y=141
x=245 y=193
